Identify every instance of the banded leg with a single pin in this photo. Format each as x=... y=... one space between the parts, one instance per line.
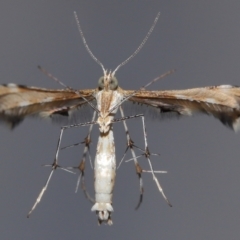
x=81 y=166
x=130 y=145
x=147 y=154
x=55 y=164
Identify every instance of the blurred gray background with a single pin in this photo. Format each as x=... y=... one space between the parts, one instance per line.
x=201 y=40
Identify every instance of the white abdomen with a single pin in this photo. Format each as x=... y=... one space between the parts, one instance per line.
x=104 y=176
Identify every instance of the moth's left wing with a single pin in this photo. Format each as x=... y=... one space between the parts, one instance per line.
x=222 y=102
x=18 y=102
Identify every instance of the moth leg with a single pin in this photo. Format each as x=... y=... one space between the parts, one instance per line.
x=130 y=145
x=55 y=164
x=147 y=155
x=81 y=166
x=54 y=167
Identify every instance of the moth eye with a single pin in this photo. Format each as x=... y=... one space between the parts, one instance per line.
x=101 y=83
x=113 y=83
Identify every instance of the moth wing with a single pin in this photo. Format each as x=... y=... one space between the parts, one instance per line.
x=18 y=102
x=222 y=102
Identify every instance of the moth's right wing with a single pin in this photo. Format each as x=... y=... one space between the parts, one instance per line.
x=222 y=102
x=18 y=102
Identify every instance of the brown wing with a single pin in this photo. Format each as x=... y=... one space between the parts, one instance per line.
x=223 y=102
x=18 y=102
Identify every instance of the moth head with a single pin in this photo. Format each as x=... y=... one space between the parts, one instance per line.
x=108 y=82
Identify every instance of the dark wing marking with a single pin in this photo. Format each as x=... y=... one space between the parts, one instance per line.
x=18 y=102
x=222 y=102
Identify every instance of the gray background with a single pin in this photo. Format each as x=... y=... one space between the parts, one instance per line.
x=201 y=40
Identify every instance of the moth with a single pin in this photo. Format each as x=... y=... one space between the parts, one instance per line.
x=18 y=102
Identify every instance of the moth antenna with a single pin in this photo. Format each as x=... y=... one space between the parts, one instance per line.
x=67 y=87
x=85 y=43
x=140 y=46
